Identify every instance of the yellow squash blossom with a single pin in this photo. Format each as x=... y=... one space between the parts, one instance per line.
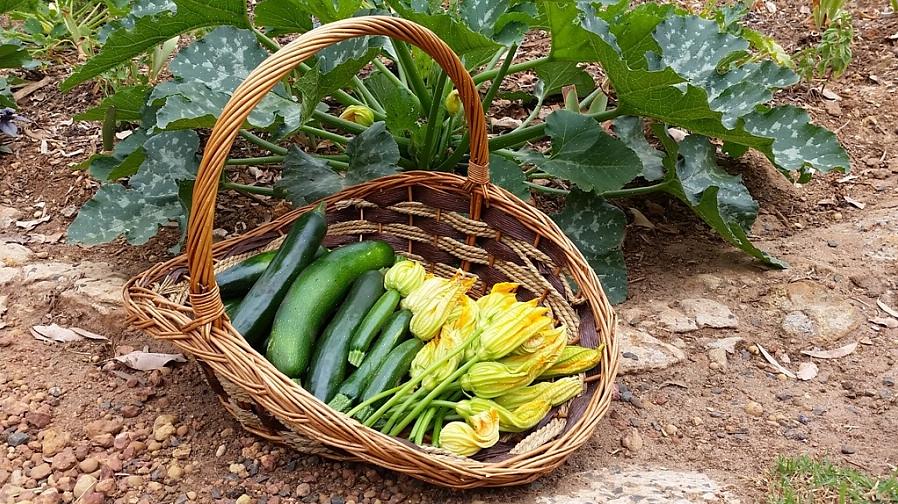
x=506 y=331
x=555 y=392
x=358 y=114
x=492 y=379
x=433 y=302
x=405 y=276
x=574 y=359
x=524 y=417
x=467 y=438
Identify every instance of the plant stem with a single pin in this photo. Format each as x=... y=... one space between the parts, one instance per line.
x=250 y=189
x=437 y=427
x=547 y=190
x=411 y=71
x=497 y=80
x=261 y=142
x=443 y=404
x=254 y=161
x=434 y=121
x=348 y=126
x=265 y=40
x=333 y=137
x=378 y=64
x=635 y=191
x=432 y=395
x=372 y=102
x=518 y=67
x=378 y=397
x=533 y=114
x=524 y=135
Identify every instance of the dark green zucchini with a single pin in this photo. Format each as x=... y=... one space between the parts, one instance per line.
x=237 y=280
x=395 y=330
x=254 y=316
x=394 y=367
x=328 y=365
x=371 y=325
x=314 y=296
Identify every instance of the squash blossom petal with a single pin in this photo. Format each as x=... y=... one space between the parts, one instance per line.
x=405 y=276
x=500 y=298
x=432 y=303
x=508 y=330
x=520 y=419
x=541 y=340
x=555 y=392
x=452 y=102
x=434 y=351
x=467 y=438
x=358 y=114
x=553 y=343
x=491 y=379
x=574 y=359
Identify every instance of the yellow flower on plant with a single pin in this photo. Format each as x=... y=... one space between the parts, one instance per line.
x=358 y=114
x=405 y=276
x=574 y=359
x=467 y=438
x=452 y=102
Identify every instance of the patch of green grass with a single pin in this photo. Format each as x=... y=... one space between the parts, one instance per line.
x=803 y=480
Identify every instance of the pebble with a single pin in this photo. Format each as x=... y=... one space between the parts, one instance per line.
x=17 y=438
x=134 y=481
x=244 y=499
x=85 y=483
x=718 y=356
x=632 y=440
x=64 y=460
x=888 y=381
x=41 y=471
x=796 y=434
x=670 y=429
x=97 y=427
x=105 y=486
x=220 y=451
x=754 y=409
x=848 y=450
x=175 y=472
x=130 y=410
x=303 y=489
x=53 y=441
x=191 y=495
x=89 y=465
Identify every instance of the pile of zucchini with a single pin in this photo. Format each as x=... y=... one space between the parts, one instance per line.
x=315 y=313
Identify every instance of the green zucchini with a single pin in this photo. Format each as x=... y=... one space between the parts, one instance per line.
x=371 y=325
x=395 y=330
x=328 y=365
x=231 y=305
x=314 y=296
x=237 y=280
x=253 y=317
x=394 y=367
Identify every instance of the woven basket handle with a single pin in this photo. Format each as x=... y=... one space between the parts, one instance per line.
x=204 y=297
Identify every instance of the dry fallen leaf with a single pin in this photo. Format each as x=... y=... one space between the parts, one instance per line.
x=728 y=344
x=835 y=353
x=31 y=224
x=806 y=371
x=640 y=220
x=55 y=333
x=885 y=322
x=886 y=308
x=148 y=361
x=89 y=335
x=779 y=367
x=855 y=203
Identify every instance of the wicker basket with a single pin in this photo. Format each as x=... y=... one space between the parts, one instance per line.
x=444 y=220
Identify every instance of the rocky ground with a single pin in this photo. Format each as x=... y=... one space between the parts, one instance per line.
x=702 y=411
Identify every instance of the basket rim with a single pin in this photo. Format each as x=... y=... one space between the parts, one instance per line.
x=468 y=472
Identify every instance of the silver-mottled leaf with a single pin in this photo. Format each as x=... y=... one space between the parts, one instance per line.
x=630 y=131
x=403 y=108
x=597 y=229
x=372 y=153
x=507 y=174
x=481 y=15
x=797 y=143
x=306 y=178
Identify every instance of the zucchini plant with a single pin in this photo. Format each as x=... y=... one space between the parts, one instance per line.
x=591 y=143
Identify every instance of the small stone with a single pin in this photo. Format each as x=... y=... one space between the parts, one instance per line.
x=53 y=441
x=754 y=409
x=85 y=483
x=38 y=419
x=675 y=321
x=718 y=356
x=49 y=496
x=796 y=434
x=41 y=471
x=244 y=499
x=103 y=440
x=670 y=429
x=101 y=426
x=648 y=352
x=303 y=489
x=632 y=440
x=191 y=495
x=89 y=465
x=888 y=381
x=163 y=432
x=220 y=451
x=134 y=481
x=64 y=460
x=130 y=410
x=709 y=313
x=848 y=450
x=175 y=472
x=54 y=391
x=105 y=486
x=17 y=438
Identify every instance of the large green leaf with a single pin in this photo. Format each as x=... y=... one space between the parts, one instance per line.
x=629 y=130
x=150 y=200
x=139 y=9
x=315 y=84
x=555 y=75
x=373 y=153
x=647 y=86
x=128 y=103
x=597 y=229
x=584 y=154
x=328 y=11
x=283 y=16
x=8 y=5
x=6 y=97
x=473 y=47
x=720 y=199
x=507 y=174
x=148 y=31
x=12 y=54
x=403 y=108
x=206 y=73
x=123 y=161
x=481 y=15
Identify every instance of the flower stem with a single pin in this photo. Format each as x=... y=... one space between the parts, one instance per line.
x=411 y=71
x=434 y=121
x=255 y=161
x=249 y=189
x=432 y=395
x=261 y=142
x=518 y=67
x=635 y=191
x=500 y=75
x=378 y=397
x=524 y=135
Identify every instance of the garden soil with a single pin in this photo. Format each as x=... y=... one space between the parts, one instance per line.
x=698 y=395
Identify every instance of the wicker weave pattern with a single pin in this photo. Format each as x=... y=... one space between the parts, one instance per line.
x=444 y=220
